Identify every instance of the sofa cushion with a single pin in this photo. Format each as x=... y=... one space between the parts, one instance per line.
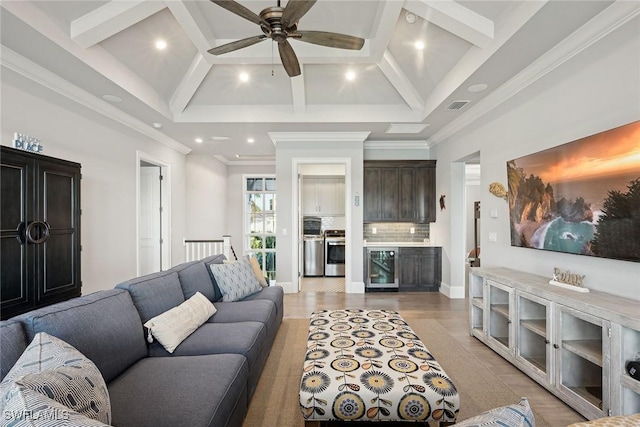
x=271 y=293
x=104 y=326
x=194 y=277
x=54 y=368
x=12 y=342
x=517 y=415
x=244 y=311
x=212 y=260
x=154 y=293
x=173 y=326
x=245 y=338
x=21 y=406
x=236 y=280
x=181 y=391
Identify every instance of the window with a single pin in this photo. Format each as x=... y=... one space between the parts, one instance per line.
x=260 y=221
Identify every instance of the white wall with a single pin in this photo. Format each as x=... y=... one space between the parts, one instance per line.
x=206 y=197
x=286 y=154
x=596 y=90
x=107 y=152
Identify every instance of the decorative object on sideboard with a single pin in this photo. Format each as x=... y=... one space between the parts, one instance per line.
x=568 y=280
x=498 y=190
x=25 y=142
x=442 y=206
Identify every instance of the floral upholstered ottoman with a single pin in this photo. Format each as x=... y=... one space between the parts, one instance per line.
x=368 y=365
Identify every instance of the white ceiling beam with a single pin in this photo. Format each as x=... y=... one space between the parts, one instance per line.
x=193 y=24
x=96 y=57
x=39 y=75
x=603 y=24
x=189 y=84
x=393 y=72
x=110 y=19
x=515 y=17
x=455 y=18
x=298 y=93
x=284 y=114
x=386 y=19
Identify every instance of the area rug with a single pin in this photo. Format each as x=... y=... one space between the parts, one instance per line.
x=275 y=402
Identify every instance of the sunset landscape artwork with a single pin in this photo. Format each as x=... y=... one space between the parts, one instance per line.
x=582 y=197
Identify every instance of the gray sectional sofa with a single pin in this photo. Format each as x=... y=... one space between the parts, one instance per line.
x=207 y=381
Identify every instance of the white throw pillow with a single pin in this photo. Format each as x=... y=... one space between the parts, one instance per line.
x=173 y=326
x=57 y=370
x=235 y=280
x=255 y=265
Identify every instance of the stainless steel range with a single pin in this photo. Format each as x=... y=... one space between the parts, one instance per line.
x=334 y=253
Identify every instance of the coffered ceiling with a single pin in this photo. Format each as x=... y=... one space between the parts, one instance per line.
x=85 y=50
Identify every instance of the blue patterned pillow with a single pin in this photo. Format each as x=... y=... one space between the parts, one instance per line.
x=23 y=407
x=236 y=280
x=519 y=415
x=58 y=371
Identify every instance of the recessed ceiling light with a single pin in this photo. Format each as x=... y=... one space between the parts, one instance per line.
x=111 y=98
x=157 y=125
x=251 y=140
x=244 y=77
x=161 y=44
x=199 y=140
x=410 y=17
x=477 y=88
x=351 y=75
x=419 y=45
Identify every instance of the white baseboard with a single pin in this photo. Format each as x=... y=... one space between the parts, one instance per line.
x=355 y=288
x=453 y=292
x=289 y=287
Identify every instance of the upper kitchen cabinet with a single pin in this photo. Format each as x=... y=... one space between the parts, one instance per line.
x=323 y=195
x=399 y=191
x=380 y=194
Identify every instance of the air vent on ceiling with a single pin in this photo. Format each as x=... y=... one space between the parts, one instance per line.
x=457 y=105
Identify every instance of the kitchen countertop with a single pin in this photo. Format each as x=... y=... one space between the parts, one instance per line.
x=399 y=244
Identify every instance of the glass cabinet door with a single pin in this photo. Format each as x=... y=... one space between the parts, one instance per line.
x=499 y=317
x=533 y=335
x=582 y=351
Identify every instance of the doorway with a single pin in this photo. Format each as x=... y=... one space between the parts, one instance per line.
x=322 y=196
x=153 y=198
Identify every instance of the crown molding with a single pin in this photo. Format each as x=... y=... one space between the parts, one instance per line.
x=224 y=160
x=606 y=22
x=34 y=72
x=318 y=136
x=396 y=145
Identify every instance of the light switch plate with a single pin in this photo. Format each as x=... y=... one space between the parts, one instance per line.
x=493 y=237
x=493 y=213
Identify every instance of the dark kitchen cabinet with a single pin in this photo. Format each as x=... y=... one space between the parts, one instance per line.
x=39 y=231
x=420 y=269
x=399 y=191
x=380 y=194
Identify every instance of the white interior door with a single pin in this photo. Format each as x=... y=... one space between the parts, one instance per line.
x=150 y=227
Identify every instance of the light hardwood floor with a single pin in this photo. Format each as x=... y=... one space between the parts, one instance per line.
x=453 y=315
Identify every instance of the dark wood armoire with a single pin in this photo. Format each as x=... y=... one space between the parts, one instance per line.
x=39 y=231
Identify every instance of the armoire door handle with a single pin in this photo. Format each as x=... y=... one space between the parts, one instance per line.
x=20 y=229
x=45 y=234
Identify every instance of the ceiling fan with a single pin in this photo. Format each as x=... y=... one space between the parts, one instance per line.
x=280 y=23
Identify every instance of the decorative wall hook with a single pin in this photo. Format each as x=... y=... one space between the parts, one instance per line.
x=442 y=206
x=498 y=190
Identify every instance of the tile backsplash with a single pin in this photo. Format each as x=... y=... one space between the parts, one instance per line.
x=395 y=232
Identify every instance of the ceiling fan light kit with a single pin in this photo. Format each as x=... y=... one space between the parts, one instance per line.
x=279 y=24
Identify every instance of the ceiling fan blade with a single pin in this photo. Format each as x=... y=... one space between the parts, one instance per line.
x=238 y=44
x=323 y=38
x=240 y=10
x=289 y=59
x=295 y=10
